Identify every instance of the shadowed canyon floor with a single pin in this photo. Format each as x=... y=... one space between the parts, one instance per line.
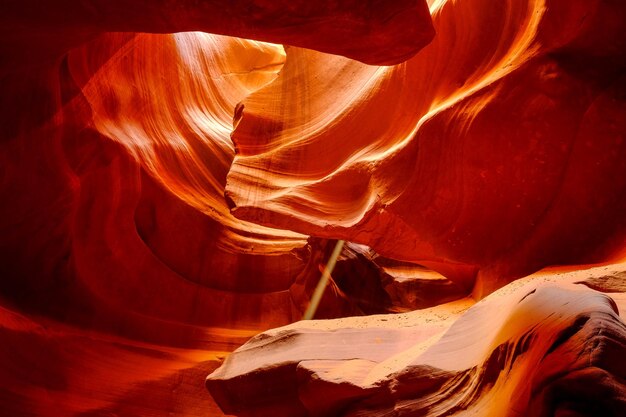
x=172 y=185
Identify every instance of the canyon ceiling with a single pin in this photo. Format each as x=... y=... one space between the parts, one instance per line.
x=174 y=175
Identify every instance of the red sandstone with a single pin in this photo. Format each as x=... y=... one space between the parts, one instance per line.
x=168 y=192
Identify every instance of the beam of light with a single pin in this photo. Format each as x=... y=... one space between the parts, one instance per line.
x=321 y=285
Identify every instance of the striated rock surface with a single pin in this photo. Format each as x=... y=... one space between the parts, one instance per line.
x=168 y=192
x=494 y=152
x=543 y=346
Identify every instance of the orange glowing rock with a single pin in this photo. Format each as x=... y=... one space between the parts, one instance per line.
x=545 y=346
x=494 y=152
x=165 y=194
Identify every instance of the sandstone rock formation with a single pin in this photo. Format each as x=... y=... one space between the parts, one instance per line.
x=546 y=346
x=474 y=158
x=167 y=192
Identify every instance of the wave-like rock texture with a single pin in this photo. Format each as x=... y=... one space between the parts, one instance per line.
x=497 y=150
x=165 y=194
x=544 y=346
x=124 y=278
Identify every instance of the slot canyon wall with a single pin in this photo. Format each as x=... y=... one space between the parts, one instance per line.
x=174 y=175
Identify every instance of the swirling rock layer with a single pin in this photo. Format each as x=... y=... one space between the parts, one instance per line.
x=494 y=152
x=166 y=194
